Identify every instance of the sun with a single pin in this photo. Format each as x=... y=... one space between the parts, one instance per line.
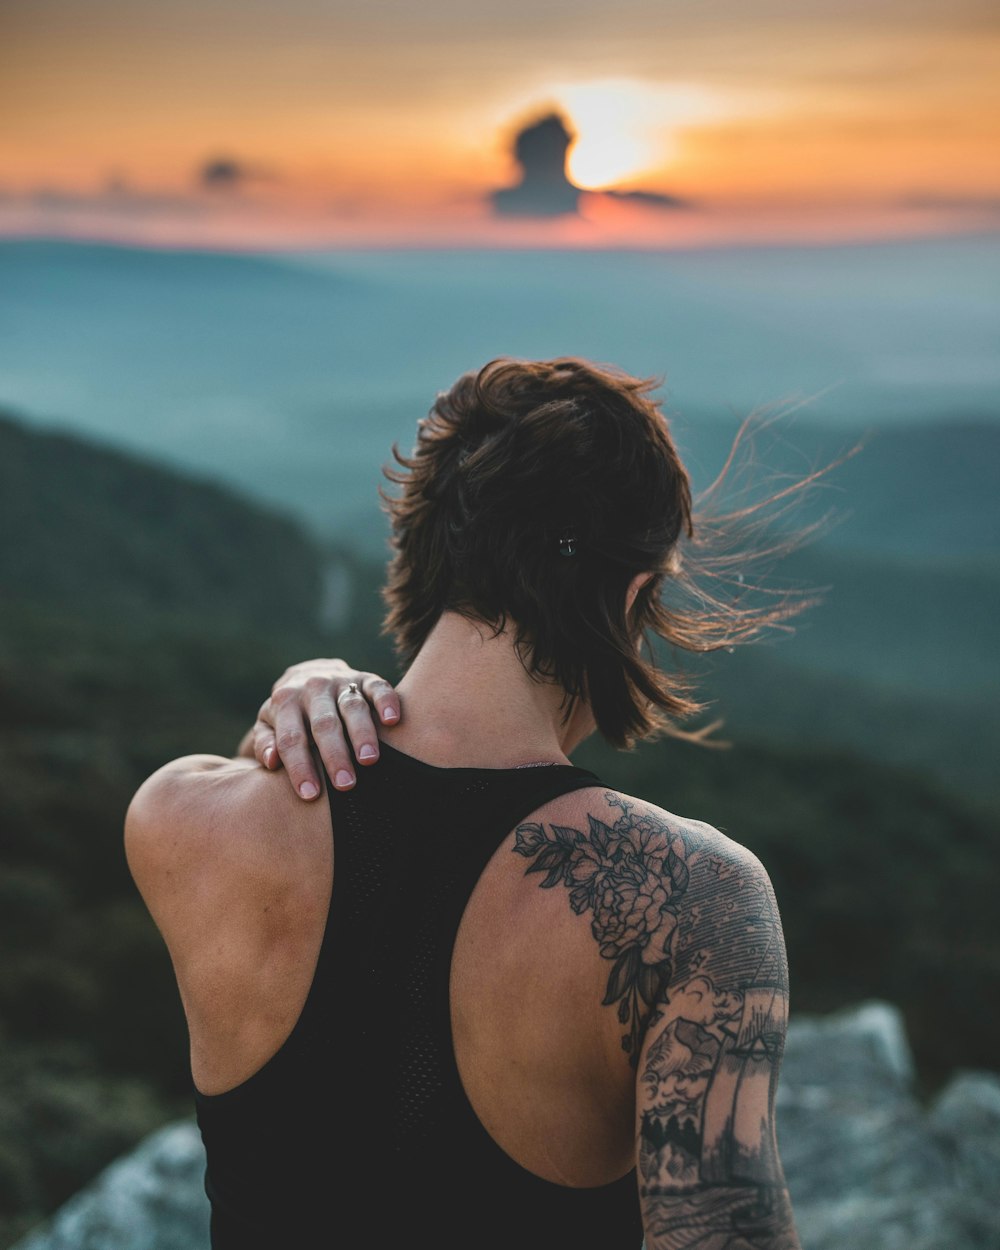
x=626 y=129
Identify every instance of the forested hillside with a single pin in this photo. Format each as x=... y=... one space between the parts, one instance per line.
x=93 y=532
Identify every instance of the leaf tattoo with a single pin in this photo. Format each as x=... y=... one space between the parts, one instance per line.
x=631 y=876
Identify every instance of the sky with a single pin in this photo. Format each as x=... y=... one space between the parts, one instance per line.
x=673 y=123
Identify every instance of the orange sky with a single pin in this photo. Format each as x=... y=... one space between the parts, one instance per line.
x=355 y=122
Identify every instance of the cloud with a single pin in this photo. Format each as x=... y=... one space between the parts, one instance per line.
x=221 y=173
x=951 y=203
x=545 y=189
x=115 y=197
x=228 y=173
x=655 y=199
x=701 y=1003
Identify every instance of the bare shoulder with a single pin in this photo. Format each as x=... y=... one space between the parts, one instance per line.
x=191 y=808
x=206 y=836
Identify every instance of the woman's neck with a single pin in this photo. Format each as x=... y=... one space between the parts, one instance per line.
x=469 y=702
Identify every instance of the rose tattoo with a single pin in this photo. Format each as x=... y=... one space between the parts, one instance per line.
x=631 y=876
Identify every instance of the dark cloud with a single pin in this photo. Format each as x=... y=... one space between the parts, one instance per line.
x=222 y=173
x=544 y=189
x=655 y=199
x=228 y=173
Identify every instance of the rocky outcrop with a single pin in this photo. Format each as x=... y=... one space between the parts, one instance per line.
x=869 y=1167
x=152 y=1199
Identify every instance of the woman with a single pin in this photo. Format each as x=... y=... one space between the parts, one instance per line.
x=474 y=994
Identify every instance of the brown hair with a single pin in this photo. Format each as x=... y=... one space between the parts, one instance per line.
x=536 y=491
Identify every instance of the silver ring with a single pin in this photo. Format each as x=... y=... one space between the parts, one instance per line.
x=351 y=688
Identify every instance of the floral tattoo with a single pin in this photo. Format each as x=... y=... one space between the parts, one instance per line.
x=632 y=877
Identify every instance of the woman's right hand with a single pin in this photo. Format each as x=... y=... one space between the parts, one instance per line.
x=328 y=704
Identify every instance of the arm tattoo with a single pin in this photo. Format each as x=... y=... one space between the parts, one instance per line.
x=697 y=958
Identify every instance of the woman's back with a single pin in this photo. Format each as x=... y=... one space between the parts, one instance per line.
x=509 y=1127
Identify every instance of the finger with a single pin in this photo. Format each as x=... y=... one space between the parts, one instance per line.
x=264 y=749
x=357 y=718
x=292 y=744
x=381 y=695
x=327 y=731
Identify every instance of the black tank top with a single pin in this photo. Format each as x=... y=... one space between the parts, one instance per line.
x=358 y=1132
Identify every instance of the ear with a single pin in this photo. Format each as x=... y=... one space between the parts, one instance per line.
x=634 y=586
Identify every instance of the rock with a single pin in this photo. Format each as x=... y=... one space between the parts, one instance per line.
x=848 y=1122
x=868 y=1167
x=152 y=1199
x=965 y=1120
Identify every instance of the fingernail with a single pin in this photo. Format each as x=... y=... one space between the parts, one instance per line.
x=390 y=713
x=367 y=752
x=308 y=790
x=269 y=757
x=343 y=778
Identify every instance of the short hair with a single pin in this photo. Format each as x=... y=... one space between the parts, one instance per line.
x=536 y=491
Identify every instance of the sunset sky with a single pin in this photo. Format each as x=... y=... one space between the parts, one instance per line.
x=371 y=122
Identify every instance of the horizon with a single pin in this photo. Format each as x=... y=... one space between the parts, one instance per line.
x=270 y=250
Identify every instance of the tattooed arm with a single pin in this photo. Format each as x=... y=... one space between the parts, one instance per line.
x=698 y=981
x=707 y=1154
